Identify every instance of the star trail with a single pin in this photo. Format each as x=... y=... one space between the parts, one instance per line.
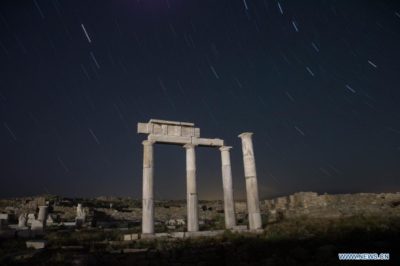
x=317 y=82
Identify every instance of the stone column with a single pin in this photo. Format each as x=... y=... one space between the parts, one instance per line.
x=43 y=212
x=253 y=203
x=22 y=220
x=191 y=190
x=148 y=201
x=229 y=205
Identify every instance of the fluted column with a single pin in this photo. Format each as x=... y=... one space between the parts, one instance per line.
x=229 y=205
x=253 y=203
x=191 y=189
x=148 y=200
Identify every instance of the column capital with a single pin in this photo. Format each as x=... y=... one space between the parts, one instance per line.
x=225 y=148
x=189 y=146
x=245 y=134
x=147 y=142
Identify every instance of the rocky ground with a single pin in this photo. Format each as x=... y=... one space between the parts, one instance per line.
x=301 y=229
x=308 y=204
x=305 y=241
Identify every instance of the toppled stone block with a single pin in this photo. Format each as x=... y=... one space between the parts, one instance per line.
x=36 y=244
x=130 y=237
x=4 y=216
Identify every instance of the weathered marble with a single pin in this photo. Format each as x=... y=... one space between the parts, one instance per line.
x=148 y=200
x=80 y=211
x=31 y=218
x=43 y=212
x=36 y=244
x=80 y=215
x=22 y=220
x=4 y=216
x=229 y=205
x=130 y=237
x=253 y=203
x=191 y=189
x=173 y=132
x=186 y=134
x=170 y=128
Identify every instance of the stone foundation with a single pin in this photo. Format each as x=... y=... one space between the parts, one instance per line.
x=172 y=235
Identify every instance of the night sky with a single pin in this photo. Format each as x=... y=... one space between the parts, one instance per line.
x=316 y=81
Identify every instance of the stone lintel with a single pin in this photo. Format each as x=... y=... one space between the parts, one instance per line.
x=186 y=140
x=208 y=142
x=179 y=129
x=170 y=139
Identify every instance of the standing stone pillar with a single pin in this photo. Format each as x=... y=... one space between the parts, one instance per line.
x=22 y=220
x=229 y=205
x=43 y=212
x=253 y=203
x=191 y=189
x=148 y=201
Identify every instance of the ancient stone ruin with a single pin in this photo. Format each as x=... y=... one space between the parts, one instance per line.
x=188 y=136
x=80 y=215
x=313 y=205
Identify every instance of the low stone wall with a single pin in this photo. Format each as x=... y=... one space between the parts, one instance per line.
x=311 y=204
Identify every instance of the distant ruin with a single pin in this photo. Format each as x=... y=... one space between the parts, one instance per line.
x=312 y=205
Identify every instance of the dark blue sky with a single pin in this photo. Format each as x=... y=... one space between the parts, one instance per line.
x=316 y=81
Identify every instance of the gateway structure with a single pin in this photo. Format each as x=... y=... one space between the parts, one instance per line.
x=188 y=136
